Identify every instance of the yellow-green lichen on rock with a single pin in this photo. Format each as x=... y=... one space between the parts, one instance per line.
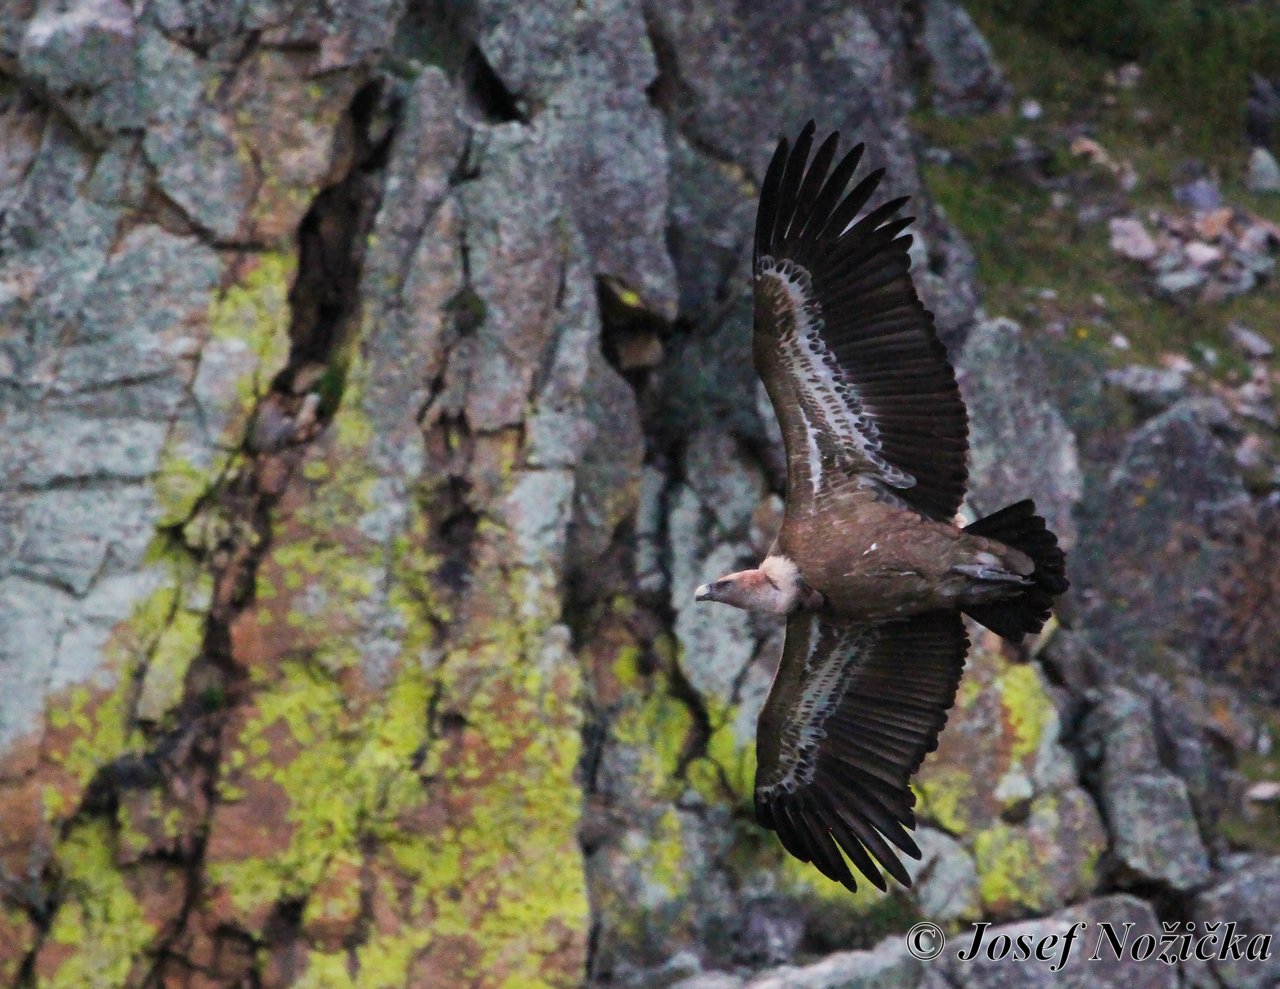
x=100 y=932
x=998 y=785
x=182 y=609
x=655 y=728
x=643 y=870
x=1028 y=710
x=465 y=824
x=731 y=751
x=248 y=343
x=95 y=939
x=303 y=730
x=17 y=933
x=251 y=317
x=1043 y=862
x=93 y=723
x=943 y=795
x=341 y=558
x=1010 y=875
x=996 y=738
x=501 y=876
x=834 y=915
x=179 y=484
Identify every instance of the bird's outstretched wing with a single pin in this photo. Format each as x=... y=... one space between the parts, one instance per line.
x=849 y=356
x=852 y=712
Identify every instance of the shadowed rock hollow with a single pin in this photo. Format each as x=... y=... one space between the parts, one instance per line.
x=374 y=391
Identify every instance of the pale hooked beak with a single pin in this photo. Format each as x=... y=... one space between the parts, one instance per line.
x=703 y=593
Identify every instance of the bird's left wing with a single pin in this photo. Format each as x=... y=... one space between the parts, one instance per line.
x=857 y=376
x=852 y=712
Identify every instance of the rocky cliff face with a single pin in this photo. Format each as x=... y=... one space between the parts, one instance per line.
x=376 y=390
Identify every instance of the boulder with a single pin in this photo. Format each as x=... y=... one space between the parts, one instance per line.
x=1153 y=389
x=1004 y=787
x=1091 y=962
x=1159 y=539
x=1263 y=175
x=1154 y=834
x=963 y=72
x=1130 y=239
x=1020 y=446
x=1246 y=896
x=945 y=878
x=1250 y=342
x=886 y=966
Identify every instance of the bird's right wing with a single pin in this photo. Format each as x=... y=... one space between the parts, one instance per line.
x=852 y=712
x=848 y=354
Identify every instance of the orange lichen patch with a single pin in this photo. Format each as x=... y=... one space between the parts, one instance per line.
x=21 y=757
x=250 y=824
x=333 y=907
x=160 y=889
x=25 y=830
x=42 y=780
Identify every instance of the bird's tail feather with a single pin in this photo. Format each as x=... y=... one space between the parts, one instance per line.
x=1019 y=526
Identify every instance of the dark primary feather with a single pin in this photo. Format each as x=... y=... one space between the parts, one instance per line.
x=880 y=335
x=900 y=680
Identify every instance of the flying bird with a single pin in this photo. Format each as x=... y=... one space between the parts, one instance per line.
x=869 y=567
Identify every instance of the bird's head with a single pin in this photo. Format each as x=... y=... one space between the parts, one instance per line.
x=774 y=588
x=743 y=589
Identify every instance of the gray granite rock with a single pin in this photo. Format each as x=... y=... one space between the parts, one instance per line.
x=583 y=73
x=81 y=55
x=1158 y=541
x=509 y=244
x=710 y=980
x=945 y=878
x=1130 y=239
x=712 y=212
x=1091 y=962
x=1250 y=342
x=1074 y=663
x=1154 y=833
x=1153 y=389
x=1263 y=175
x=731 y=97
x=1181 y=280
x=1199 y=194
x=963 y=73
x=947 y=282
x=886 y=966
x=771 y=931
x=109 y=325
x=1019 y=444
x=608 y=470
x=1246 y=896
x=124 y=369
x=716 y=641
x=199 y=162
x=728 y=482
x=1153 y=830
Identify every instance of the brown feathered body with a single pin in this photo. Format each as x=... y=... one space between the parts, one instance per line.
x=874 y=562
